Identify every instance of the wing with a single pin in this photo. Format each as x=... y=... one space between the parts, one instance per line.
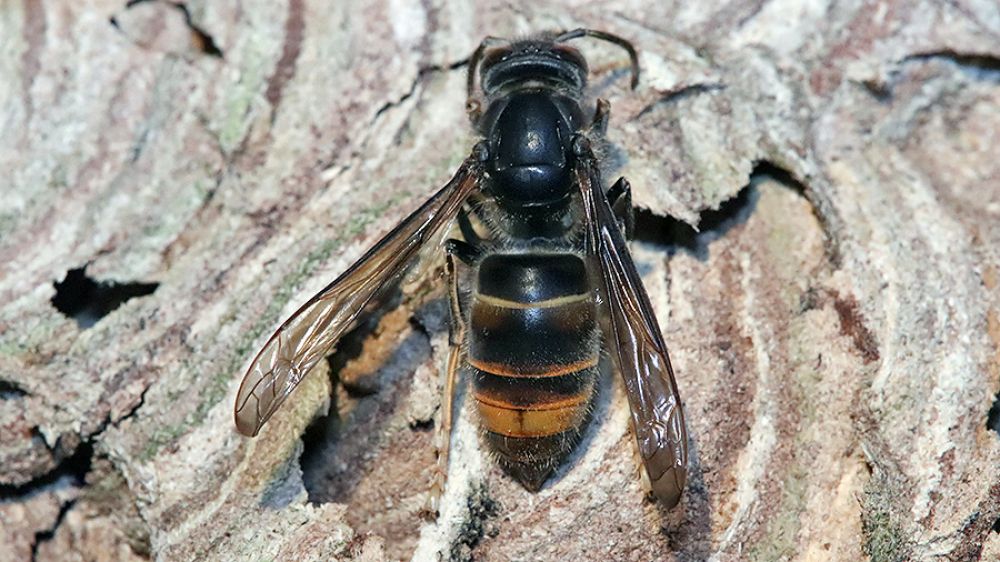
x=636 y=345
x=309 y=334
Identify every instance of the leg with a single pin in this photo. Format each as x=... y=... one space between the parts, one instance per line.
x=468 y=232
x=620 y=198
x=456 y=336
x=468 y=250
x=601 y=115
x=462 y=250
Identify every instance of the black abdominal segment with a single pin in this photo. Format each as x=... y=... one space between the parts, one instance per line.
x=533 y=353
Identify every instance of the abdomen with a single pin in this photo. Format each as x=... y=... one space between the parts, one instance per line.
x=533 y=355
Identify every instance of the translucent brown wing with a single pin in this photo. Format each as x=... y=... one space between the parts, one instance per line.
x=637 y=346
x=309 y=334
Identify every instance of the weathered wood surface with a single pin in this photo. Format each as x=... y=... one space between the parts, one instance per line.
x=835 y=328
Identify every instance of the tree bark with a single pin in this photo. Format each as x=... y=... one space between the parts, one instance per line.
x=819 y=186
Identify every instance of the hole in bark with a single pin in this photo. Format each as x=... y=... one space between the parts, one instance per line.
x=363 y=452
x=996 y=526
x=771 y=170
x=319 y=442
x=712 y=224
x=321 y=437
x=11 y=391
x=677 y=235
x=993 y=417
x=71 y=471
x=350 y=348
x=422 y=425
x=85 y=300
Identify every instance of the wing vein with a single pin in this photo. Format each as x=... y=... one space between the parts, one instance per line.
x=309 y=334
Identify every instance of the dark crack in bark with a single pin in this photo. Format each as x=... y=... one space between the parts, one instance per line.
x=69 y=472
x=993 y=417
x=423 y=74
x=200 y=40
x=982 y=66
x=80 y=297
x=10 y=390
x=46 y=535
x=680 y=94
